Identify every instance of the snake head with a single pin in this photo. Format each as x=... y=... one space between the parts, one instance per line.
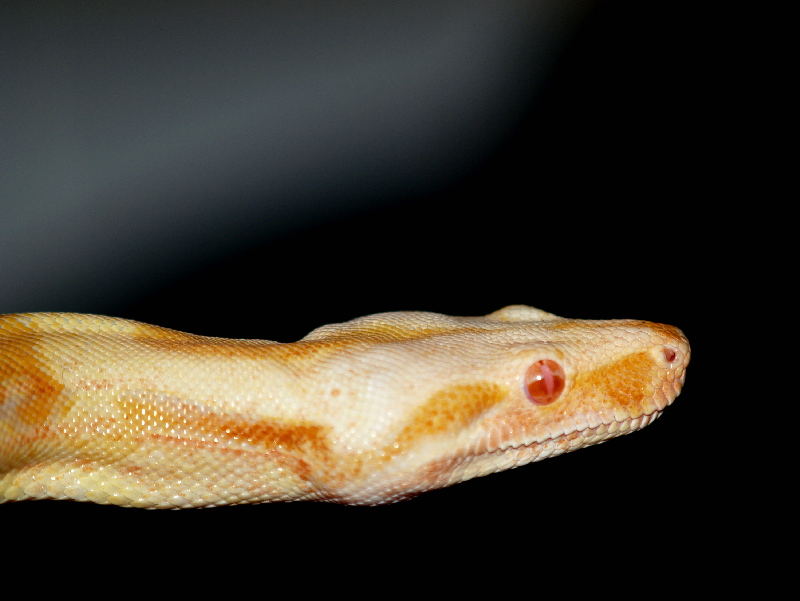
x=449 y=399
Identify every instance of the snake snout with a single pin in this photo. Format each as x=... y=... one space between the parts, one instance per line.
x=671 y=347
x=671 y=351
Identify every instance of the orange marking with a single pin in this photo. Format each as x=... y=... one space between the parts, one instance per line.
x=24 y=377
x=204 y=427
x=624 y=383
x=271 y=434
x=450 y=409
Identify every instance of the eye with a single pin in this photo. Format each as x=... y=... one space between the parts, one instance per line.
x=544 y=381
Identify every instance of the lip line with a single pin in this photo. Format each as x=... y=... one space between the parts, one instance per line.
x=652 y=416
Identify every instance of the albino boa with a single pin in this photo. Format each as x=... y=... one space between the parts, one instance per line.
x=370 y=411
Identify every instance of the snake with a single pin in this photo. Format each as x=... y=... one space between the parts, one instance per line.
x=370 y=411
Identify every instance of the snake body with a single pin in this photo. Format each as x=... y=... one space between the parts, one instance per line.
x=369 y=411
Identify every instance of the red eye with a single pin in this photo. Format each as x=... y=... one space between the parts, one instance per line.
x=544 y=381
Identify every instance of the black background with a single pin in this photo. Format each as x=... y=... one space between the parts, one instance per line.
x=600 y=197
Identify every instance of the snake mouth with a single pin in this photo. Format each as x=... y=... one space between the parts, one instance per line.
x=508 y=447
x=521 y=449
x=517 y=454
x=466 y=465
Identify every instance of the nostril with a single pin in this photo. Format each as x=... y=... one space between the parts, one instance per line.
x=670 y=354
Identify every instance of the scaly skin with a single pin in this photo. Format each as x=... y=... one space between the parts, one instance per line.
x=369 y=411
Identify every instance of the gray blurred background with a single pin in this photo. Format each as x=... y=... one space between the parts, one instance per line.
x=193 y=163
x=139 y=140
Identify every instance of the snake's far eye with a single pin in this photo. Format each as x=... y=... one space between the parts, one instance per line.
x=544 y=381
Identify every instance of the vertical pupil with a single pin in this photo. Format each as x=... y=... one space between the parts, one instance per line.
x=544 y=381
